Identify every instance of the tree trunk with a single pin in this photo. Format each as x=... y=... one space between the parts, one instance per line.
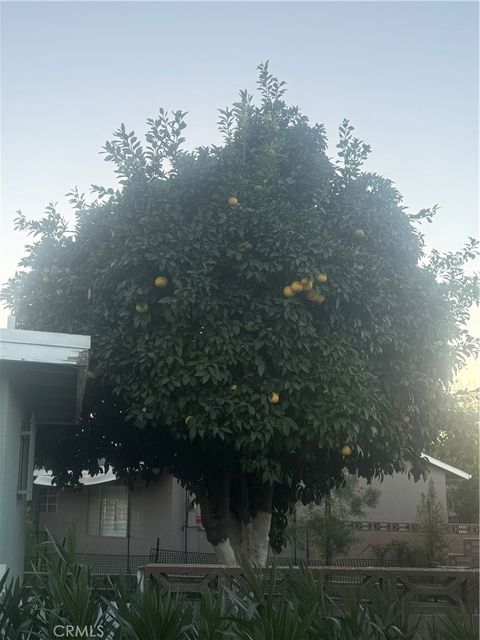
x=253 y=519
x=214 y=504
x=225 y=553
x=258 y=538
x=237 y=519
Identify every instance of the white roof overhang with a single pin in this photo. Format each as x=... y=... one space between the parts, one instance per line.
x=43 y=477
x=48 y=369
x=447 y=467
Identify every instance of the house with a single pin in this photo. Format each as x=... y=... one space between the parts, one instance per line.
x=42 y=377
x=109 y=519
x=394 y=515
x=399 y=495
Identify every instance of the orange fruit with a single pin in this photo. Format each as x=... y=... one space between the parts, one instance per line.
x=141 y=307
x=406 y=419
x=288 y=291
x=308 y=286
x=312 y=295
x=359 y=234
x=233 y=201
x=346 y=450
x=161 y=281
x=274 y=398
x=297 y=286
x=246 y=246
x=320 y=297
x=187 y=419
x=233 y=387
x=322 y=277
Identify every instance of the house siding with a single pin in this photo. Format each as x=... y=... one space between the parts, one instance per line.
x=12 y=508
x=156 y=512
x=400 y=496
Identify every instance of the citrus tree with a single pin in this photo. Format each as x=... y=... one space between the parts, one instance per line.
x=263 y=318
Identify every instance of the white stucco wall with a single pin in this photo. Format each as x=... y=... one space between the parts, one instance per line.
x=12 y=509
x=400 y=496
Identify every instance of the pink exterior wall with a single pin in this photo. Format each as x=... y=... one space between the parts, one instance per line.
x=400 y=495
x=157 y=511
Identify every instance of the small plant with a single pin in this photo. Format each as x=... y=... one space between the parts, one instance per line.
x=15 y=619
x=328 y=526
x=65 y=594
x=431 y=523
x=259 y=605
x=459 y=625
x=389 y=614
x=149 y=615
x=403 y=553
x=211 y=616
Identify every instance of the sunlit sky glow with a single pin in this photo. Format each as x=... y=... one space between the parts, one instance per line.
x=405 y=74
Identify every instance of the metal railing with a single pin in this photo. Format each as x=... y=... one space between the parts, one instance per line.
x=168 y=556
x=100 y=564
x=456 y=528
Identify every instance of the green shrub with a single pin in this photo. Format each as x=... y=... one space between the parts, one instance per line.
x=403 y=553
x=260 y=605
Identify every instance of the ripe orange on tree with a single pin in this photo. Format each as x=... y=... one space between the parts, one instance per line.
x=141 y=307
x=161 y=281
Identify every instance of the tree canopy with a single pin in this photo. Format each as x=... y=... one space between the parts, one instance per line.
x=263 y=318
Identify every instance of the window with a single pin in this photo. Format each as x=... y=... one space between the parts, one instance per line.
x=47 y=499
x=451 y=488
x=25 y=464
x=108 y=511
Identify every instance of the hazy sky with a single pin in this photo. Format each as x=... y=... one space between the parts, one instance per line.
x=406 y=74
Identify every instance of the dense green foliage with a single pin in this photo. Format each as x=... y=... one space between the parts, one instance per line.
x=261 y=607
x=184 y=368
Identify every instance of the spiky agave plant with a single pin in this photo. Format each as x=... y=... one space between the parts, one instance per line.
x=458 y=625
x=263 y=609
x=149 y=615
x=65 y=595
x=211 y=616
x=307 y=591
x=16 y=622
x=389 y=614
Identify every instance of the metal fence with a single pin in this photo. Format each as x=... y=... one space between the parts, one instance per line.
x=103 y=564
x=452 y=528
x=100 y=564
x=167 y=556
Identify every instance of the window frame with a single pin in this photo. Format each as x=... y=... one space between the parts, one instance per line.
x=95 y=494
x=51 y=495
